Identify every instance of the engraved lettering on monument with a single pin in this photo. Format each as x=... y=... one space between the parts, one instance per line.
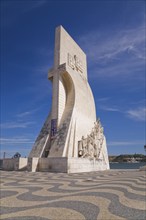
x=75 y=63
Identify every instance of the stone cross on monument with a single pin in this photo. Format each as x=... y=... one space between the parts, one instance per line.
x=71 y=139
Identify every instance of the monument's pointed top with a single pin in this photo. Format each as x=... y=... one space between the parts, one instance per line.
x=60 y=30
x=68 y=51
x=60 y=27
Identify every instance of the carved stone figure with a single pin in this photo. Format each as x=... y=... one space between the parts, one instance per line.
x=82 y=147
x=91 y=147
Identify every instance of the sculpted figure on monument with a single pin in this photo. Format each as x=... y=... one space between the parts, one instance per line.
x=91 y=146
x=101 y=139
x=82 y=147
x=97 y=138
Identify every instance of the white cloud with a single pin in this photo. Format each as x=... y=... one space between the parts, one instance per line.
x=37 y=4
x=23 y=114
x=119 y=54
x=103 y=99
x=27 y=113
x=10 y=141
x=138 y=114
x=125 y=143
x=103 y=46
x=105 y=108
x=12 y=125
x=125 y=68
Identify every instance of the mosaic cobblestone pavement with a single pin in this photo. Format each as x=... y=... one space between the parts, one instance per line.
x=102 y=195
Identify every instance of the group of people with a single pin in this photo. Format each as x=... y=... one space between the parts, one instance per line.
x=91 y=146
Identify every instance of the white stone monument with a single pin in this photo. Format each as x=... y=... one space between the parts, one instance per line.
x=71 y=139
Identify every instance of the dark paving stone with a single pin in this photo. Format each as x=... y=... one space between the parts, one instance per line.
x=126 y=193
x=4 y=194
x=119 y=209
x=28 y=218
x=89 y=210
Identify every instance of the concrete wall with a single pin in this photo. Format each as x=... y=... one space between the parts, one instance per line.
x=1 y=163
x=58 y=164
x=8 y=164
x=20 y=164
x=32 y=165
x=70 y=165
x=15 y=164
x=77 y=165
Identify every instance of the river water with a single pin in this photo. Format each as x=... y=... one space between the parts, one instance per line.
x=127 y=165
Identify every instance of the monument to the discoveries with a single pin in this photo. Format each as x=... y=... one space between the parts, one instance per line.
x=71 y=139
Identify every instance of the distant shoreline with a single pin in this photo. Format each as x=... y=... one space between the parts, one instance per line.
x=130 y=158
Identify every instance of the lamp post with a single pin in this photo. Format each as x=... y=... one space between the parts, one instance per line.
x=145 y=148
x=4 y=155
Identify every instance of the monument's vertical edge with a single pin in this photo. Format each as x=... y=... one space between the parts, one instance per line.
x=57 y=48
x=55 y=87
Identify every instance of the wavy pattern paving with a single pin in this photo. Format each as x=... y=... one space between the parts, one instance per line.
x=105 y=195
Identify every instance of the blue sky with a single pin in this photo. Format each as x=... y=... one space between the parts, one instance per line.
x=112 y=34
